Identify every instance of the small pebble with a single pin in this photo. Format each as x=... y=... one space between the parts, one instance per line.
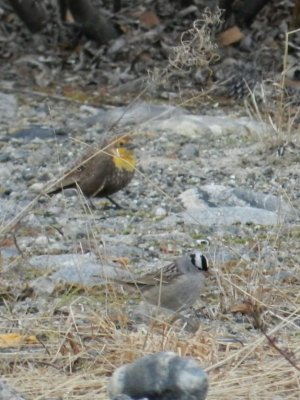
x=41 y=241
x=160 y=212
x=37 y=187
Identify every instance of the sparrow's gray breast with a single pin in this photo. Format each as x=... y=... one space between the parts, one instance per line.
x=180 y=294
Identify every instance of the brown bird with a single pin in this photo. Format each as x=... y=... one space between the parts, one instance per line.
x=175 y=286
x=103 y=171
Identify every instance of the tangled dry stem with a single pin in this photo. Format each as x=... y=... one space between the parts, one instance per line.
x=197 y=48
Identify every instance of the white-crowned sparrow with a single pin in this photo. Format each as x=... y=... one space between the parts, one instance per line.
x=175 y=286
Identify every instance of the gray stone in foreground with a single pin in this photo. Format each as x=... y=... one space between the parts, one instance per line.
x=160 y=376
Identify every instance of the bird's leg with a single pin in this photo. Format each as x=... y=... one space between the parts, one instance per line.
x=118 y=207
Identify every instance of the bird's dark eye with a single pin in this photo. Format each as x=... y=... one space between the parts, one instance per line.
x=121 y=143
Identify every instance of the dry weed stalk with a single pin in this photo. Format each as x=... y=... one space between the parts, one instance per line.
x=196 y=47
x=277 y=116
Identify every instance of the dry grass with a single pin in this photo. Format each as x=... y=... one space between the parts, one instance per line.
x=274 y=110
x=82 y=342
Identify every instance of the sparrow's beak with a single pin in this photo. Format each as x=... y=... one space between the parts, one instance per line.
x=130 y=146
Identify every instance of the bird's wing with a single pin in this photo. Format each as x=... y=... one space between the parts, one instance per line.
x=161 y=276
x=148 y=279
x=69 y=180
x=73 y=174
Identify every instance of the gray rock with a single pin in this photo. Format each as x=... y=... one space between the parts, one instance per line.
x=58 y=261
x=263 y=201
x=224 y=216
x=220 y=205
x=89 y=274
x=174 y=120
x=160 y=376
x=134 y=115
x=121 y=250
x=36 y=131
x=77 y=268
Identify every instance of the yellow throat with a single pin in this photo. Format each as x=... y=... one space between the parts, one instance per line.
x=124 y=159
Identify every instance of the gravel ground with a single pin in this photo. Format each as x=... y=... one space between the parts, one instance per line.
x=175 y=153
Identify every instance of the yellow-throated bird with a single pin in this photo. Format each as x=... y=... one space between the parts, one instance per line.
x=102 y=172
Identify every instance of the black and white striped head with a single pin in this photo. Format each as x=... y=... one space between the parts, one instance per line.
x=199 y=261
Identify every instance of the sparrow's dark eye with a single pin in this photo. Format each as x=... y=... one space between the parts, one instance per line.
x=121 y=143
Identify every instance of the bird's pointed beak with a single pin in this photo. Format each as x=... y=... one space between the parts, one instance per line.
x=130 y=146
